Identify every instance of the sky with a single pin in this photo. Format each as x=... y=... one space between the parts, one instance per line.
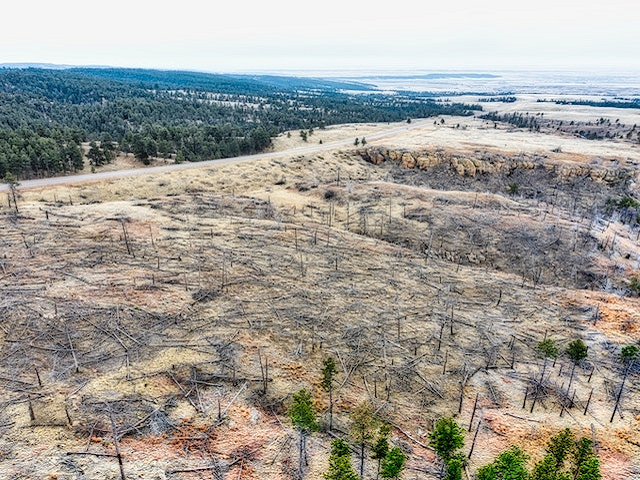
x=330 y=35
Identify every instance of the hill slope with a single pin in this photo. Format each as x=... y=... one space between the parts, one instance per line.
x=174 y=315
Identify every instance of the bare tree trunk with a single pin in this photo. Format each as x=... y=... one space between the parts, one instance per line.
x=615 y=408
x=302 y=454
x=13 y=193
x=330 y=408
x=573 y=368
x=116 y=446
x=473 y=413
x=475 y=436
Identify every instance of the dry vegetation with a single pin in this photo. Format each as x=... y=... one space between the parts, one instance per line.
x=168 y=318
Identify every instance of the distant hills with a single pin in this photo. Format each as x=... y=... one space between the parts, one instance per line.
x=345 y=82
x=433 y=76
x=51 y=66
x=196 y=78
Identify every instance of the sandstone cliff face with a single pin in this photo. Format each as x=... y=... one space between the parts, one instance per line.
x=491 y=163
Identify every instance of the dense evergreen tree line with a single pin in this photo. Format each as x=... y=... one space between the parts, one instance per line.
x=503 y=99
x=520 y=120
x=631 y=103
x=28 y=152
x=45 y=115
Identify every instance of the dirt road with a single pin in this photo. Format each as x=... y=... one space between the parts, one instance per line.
x=109 y=175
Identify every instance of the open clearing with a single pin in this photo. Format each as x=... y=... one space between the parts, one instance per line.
x=142 y=312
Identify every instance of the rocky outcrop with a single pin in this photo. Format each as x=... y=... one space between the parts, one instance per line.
x=483 y=162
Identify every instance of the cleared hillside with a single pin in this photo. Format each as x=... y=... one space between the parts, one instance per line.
x=175 y=314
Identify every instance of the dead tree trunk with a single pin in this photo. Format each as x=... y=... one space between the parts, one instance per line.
x=116 y=446
x=619 y=396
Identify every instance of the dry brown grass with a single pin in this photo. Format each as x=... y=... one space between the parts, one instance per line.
x=168 y=290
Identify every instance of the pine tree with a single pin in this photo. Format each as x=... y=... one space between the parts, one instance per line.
x=548 y=348
x=629 y=354
x=509 y=465
x=303 y=417
x=545 y=469
x=328 y=372
x=340 y=469
x=446 y=438
x=340 y=462
x=552 y=466
x=454 y=467
x=339 y=448
x=589 y=470
x=576 y=351
x=560 y=446
x=393 y=463
x=381 y=446
x=582 y=454
x=302 y=412
x=363 y=422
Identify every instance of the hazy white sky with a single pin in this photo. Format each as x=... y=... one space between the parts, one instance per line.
x=284 y=34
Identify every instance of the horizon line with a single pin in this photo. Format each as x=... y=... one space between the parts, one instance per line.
x=356 y=71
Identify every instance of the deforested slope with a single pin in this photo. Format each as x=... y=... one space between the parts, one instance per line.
x=172 y=316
